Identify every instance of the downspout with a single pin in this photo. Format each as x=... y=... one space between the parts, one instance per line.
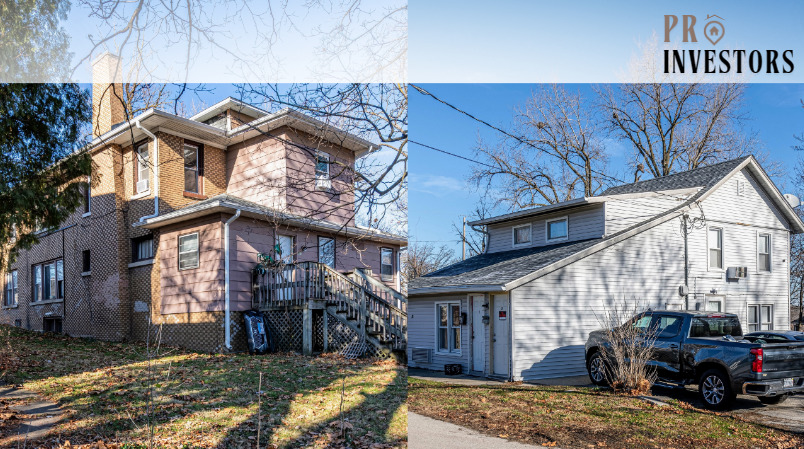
x=227 y=311
x=155 y=170
x=686 y=265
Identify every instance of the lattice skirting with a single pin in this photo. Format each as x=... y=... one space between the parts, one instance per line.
x=286 y=329
x=340 y=336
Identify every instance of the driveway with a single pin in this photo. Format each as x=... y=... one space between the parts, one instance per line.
x=426 y=433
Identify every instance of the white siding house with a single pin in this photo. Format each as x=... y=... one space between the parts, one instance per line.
x=530 y=305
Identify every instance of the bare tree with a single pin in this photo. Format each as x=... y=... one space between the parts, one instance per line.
x=676 y=127
x=377 y=113
x=555 y=155
x=475 y=237
x=424 y=258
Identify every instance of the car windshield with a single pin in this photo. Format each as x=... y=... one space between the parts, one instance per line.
x=715 y=326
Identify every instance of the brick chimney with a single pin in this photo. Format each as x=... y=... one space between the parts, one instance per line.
x=107 y=93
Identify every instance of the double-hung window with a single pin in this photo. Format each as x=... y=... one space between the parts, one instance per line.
x=143 y=162
x=448 y=316
x=188 y=251
x=556 y=229
x=760 y=317
x=715 y=243
x=48 y=281
x=322 y=175
x=326 y=251
x=192 y=159
x=386 y=263
x=764 y=252
x=10 y=297
x=521 y=235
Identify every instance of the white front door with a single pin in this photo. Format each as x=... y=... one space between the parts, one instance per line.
x=500 y=322
x=478 y=334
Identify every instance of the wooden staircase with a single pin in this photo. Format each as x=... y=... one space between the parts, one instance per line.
x=375 y=312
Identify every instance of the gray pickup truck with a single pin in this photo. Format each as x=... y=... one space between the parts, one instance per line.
x=709 y=349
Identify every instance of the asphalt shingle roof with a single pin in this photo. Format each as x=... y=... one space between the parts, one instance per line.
x=500 y=268
x=699 y=177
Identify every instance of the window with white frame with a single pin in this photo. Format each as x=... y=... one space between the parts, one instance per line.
x=192 y=158
x=48 y=281
x=715 y=243
x=286 y=245
x=142 y=169
x=10 y=297
x=557 y=229
x=188 y=251
x=326 y=251
x=322 y=175
x=521 y=235
x=760 y=317
x=764 y=252
x=448 y=316
x=386 y=263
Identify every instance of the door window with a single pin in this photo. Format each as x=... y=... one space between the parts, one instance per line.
x=667 y=326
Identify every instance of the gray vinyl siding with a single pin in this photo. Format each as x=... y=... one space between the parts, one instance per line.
x=422 y=332
x=583 y=223
x=553 y=315
x=622 y=213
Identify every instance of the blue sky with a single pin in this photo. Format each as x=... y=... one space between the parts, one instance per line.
x=439 y=194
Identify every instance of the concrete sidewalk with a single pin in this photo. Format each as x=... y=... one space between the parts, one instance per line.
x=426 y=433
x=38 y=416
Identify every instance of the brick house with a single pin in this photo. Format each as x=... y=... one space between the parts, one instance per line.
x=149 y=248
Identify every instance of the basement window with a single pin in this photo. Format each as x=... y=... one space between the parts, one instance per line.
x=52 y=325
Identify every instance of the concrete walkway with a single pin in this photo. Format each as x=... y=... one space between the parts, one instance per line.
x=465 y=379
x=38 y=416
x=426 y=433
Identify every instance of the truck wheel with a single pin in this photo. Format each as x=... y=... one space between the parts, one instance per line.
x=773 y=400
x=715 y=389
x=598 y=370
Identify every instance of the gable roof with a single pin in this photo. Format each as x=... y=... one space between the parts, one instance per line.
x=488 y=272
x=229 y=103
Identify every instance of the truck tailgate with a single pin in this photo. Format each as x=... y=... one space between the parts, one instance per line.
x=783 y=359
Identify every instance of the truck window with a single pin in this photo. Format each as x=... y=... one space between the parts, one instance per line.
x=642 y=323
x=715 y=327
x=667 y=326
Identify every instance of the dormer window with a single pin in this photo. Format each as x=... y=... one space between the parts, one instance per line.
x=142 y=169
x=322 y=177
x=521 y=235
x=557 y=229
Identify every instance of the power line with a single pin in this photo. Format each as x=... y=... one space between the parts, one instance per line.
x=502 y=131
x=451 y=154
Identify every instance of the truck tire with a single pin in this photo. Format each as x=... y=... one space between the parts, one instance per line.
x=773 y=400
x=715 y=389
x=598 y=370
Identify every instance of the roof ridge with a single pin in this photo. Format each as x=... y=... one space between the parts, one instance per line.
x=685 y=171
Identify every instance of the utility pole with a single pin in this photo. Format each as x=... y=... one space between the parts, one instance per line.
x=463 y=240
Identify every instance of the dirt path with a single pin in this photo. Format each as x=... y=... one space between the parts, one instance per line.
x=36 y=416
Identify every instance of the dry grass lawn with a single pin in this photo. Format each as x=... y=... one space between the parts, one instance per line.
x=587 y=418
x=111 y=392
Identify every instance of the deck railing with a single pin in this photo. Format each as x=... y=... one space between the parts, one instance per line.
x=292 y=285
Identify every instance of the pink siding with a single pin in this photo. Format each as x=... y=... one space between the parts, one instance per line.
x=255 y=170
x=197 y=289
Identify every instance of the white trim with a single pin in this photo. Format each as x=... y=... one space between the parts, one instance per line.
x=162 y=129
x=709 y=266
x=436 y=350
x=141 y=195
x=86 y=273
x=759 y=323
x=86 y=214
x=514 y=244
x=197 y=250
x=387 y=277
x=547 y=229
x=759 y=235
x=141 y=263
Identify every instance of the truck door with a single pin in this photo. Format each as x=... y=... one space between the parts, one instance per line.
x=666 y=346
